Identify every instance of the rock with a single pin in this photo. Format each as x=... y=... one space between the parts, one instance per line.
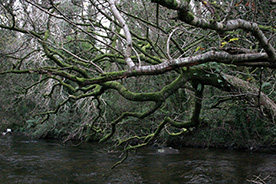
x=8 y=131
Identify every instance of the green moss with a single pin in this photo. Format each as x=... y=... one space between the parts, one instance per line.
x=80 y=80
x=151 y=96
x=114 y=74
x=189 y=17
x=185 y=16
x=179 y=124
x=267 y=28
x=106 y=137
x=46 y=34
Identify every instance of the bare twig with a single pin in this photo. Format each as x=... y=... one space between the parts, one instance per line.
x=122 y=22
x=168 y=44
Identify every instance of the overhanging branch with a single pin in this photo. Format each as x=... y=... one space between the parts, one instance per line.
x=186 y=16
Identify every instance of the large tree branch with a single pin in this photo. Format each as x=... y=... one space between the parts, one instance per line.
x=220 y=57
x=258 y=98
x=250 y=59
x=184 y=15
x=236 y=86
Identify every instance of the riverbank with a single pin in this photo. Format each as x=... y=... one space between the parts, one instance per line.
x=203 y=138
x=206 y=136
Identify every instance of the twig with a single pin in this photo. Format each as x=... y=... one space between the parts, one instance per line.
x=122 y=22
x=168 y=44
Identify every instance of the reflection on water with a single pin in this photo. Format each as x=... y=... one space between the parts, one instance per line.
x=27 y=161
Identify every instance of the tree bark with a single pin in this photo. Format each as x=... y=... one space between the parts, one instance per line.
x=199 y=88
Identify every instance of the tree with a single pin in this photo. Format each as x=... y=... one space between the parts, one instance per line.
x=113 y=65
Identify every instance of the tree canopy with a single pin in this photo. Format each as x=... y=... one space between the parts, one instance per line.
x=138 y=68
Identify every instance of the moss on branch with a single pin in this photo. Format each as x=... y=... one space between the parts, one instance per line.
x=61 y=82
x=151 y=96
x=177 y=124
x=129 y=114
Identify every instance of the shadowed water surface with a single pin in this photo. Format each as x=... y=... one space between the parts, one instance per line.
x=46 y=161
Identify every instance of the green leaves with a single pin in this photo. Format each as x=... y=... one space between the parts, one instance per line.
x=266 y=84
x=219 y=81
x=199 y=87
x=231 y=40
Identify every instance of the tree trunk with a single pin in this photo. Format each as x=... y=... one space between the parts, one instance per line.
x=198 y=87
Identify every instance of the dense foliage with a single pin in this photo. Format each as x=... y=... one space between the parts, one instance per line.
x=138 y=72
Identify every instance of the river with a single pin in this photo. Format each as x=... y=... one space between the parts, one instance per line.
x=26 y=161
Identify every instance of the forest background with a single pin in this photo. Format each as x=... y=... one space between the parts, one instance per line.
x=186 y=72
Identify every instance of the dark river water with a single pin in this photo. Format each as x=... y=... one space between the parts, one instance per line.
x=46 y=161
